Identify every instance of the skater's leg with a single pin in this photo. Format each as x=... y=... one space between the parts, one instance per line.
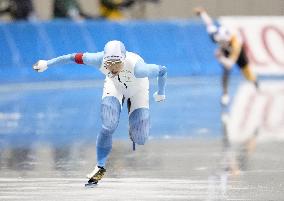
x=249 y=75
x=110 y=112
x=139 y=117
x=225 y=82
x=139 y=125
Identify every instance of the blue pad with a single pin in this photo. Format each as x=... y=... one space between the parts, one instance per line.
x=110 y=112
x=139 y=125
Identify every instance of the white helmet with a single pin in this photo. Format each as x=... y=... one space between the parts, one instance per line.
x=114 y=56
x=114 y=50
x=222 y=34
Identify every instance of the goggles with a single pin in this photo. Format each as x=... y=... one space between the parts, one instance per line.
x=114 y=66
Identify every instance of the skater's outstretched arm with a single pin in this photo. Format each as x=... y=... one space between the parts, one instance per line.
x=93 y=59
x=201 y=12
x=209 y=23
x=142 y=69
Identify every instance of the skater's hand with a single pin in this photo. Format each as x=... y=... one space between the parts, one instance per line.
x=226 y=62
x=225 y=99
x=218 y=53
x=159 y=98
x=40 y=66
x=198 y=10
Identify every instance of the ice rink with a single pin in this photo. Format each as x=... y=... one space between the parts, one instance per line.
x=198 y=149
x=162 y=170
x=47 y=140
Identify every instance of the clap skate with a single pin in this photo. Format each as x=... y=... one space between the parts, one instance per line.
x=95 y=176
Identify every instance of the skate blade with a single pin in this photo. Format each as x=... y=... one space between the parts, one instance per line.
x=91 y=184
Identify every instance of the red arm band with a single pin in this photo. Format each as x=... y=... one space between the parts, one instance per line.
x=79 y=58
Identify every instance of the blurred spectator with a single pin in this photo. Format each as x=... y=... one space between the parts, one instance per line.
x=69 y=9
x=18 y=9
x=139 y=10
x=112 y=9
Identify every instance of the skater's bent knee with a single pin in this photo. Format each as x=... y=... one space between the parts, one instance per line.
x=108 y=130
x=110 y=113
x=139 y=125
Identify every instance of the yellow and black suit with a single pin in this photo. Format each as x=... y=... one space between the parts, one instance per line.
x=235 y=51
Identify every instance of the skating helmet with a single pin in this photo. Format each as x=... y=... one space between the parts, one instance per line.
x=222 y=35
x=114 y=56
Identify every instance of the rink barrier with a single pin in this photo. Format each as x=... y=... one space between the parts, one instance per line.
x=182 y=45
